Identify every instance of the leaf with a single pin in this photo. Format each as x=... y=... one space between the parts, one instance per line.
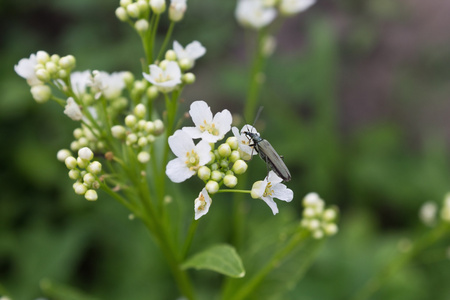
x=219 y=258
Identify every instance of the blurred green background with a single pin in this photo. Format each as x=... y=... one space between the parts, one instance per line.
x=356 y=99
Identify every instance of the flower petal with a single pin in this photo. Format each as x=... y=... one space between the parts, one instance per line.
x=280 y=191
x=177 y=171
x=202 y=204
x=273 y=178
x=203 y=148
x=273 y=206
x=195 y=50
x=200 y=112
x=223 y=120
x=193 y=132
x=180 y=143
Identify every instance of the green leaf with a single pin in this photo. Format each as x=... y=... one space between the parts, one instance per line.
x=220 y=258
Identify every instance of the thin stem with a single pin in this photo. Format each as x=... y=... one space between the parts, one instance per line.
x=234 y=191
x=189 y=238
x=400 y=261
x=166 y=40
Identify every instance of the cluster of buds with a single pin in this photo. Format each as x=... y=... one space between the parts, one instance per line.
x=84 y=171
x=138 y=132
x=225 y=163
x=318 y=219
x=139 y=11
x=41 y=68
x=84 y=137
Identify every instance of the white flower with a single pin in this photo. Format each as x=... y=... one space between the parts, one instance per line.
x=245 y=150
x=110 y=85
x=72 y=110
x=269 y=188
x=25 y=69
x=253 y=13
x=190 y=157
x=165 y=80
x=177 y=9
x=428 y=212
x=291 y=7
x=206 y=127
x=187 y=56
x=202 y=204
x=80 y=81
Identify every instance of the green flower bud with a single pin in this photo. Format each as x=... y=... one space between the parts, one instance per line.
x=141 y=125
x=63 y=154
x=185 y=63
x=133 y=10
x=85 y=153
x=150 y=138
x=74 y=174
x=233 y=142
x=143 y=157
x=130 y=121
x=255 y=192
x=140 y=111
x=212 y=187
x=204 y=173
x=51 y=67
x=121 y=14
x=239 y=167
x=79 y=188
x=142 y=142
x=216 y=175
x=125 y=3
x=329 y=214
x=62 y=73
x=131 y=139
x=188 y=78
x=224 y=150
x=214 y=166
x=94 y=167
x=83 y=142
x=55 y=58
x=75 y=146
x=170 y=55
x=159 y=127
x=91 y=195
x=118 y=131
x=43 y=75
x=152 y=92
x=230 y=181
x=67 y=62
x=224 y=163
x=234 y=156
x=88 y=178
x=42 y=57
x=213 y=157
x=82 y=163
x=141 y=25
x=41 y=93
x=158 y=6
x=149 y=127
x=143 y=6
x=330 y=229
x=71 y=162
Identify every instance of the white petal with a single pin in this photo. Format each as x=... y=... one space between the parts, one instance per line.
x=271 y=203
x=180 y=143
x=193 y=132
x=198 y=203
x=72 y=110
x=223 y=122
x=195 y=50
x=203 y=148
x=200 y=113
x=149 y=78
x=280 y=191
x=178 y=49
x=273 y=178
x=177 y=171
x=173 y=70
x=258 y=189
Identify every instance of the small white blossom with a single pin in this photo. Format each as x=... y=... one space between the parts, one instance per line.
x=269 y=188
x=207 y=127
x=428 y=212
x=63 y=154
x=167 y=79
x=291 y=7
x=85 y=153
x=110 y=85
x=187 y=56
x=177 y=9
x=202 y=204
x=41 y=93
x=190 y=157
x=80 y=81
x=26 y=69
x=253 y=13
x=245 y=150
x=72 y=110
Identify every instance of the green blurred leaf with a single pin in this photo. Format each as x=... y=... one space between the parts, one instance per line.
x=61 y=292
x=219 y=258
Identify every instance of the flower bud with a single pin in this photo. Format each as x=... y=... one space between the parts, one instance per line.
x=88 y=178
x=79 y=188
x=67 y=62
x=42 y=57
x=177 y=9
x=41 y=93
x=62 y=74
x=239 y=167
x=74 y=174
x=186 y=63
x=330 y=229
x=188 y=78
x=133 y=10
x=91 y=195
x=85 y=153
x=233 y=142
x=141 y=25
x=234 y=156
x=158 y=6
x=212 y=187
x=149 y=127
x=82 y=163
x=309 y=212
x=329 y=215
x=317 y=234
x=143 y=157
x=170 y=55
x=204 y=173
x=55 y=58
x=152 y=92
x=142 y=142
x=143 y=6
x=63 y=154
x=51 y=67
x=216 y=176
x=256 y=189
x=94 y=167
x=159 y=127
x=130 y=121
x=230 y=181
x=118 y=131
x=71 y=162
x=42 y=75
x=224 y=150
x=131 y=139
x=125 y=3
x=121 y=14
x=140 y=111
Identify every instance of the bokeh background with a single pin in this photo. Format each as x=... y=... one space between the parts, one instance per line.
x=356 y=98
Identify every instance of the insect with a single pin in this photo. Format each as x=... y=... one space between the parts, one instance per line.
x=269 y=155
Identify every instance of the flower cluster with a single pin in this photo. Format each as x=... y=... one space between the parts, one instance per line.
x=217 y=165
x=84 y=171
x=139 y=133
x=318 y=219
x=260 y=13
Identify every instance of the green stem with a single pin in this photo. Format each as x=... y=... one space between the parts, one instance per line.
x=166 y=40
x=255 y=78
x=234 y=191
x=400 y=261
x=275 y=261
x=189 y=238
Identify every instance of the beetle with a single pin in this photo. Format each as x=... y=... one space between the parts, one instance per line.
x=269 y=155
